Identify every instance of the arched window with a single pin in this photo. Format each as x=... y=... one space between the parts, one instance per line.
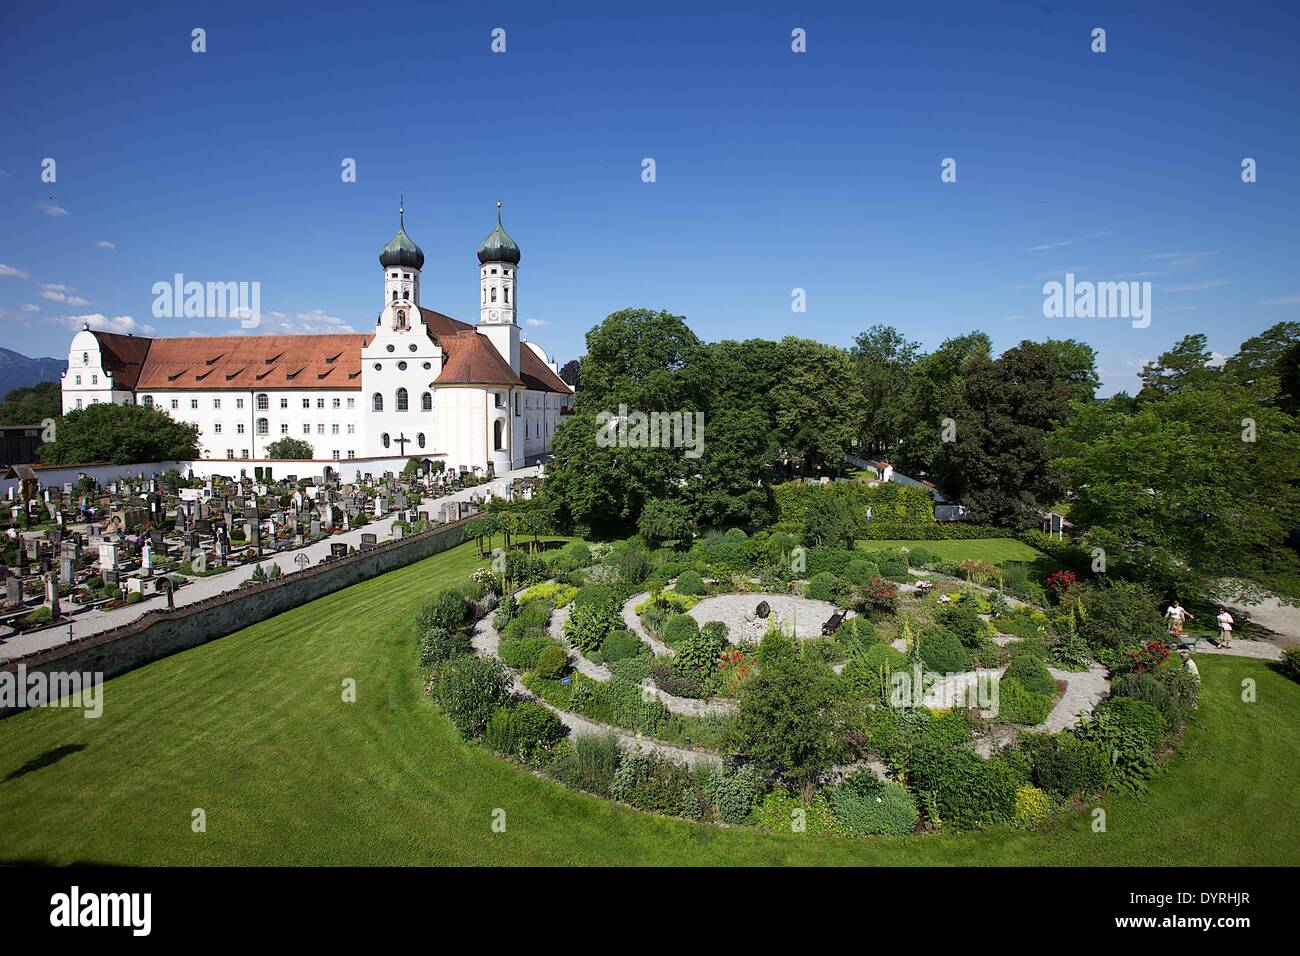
x=263 y=426
x=426 y=402
x=402 y=402
x=497 y=433
x=384 y=439
x=406 y=294
x=506 y=293
x=85 y=358
x=394 y=295
x=401 y=318
x=148 y=401
x=419 y=440
x=377 y=403
x=494 y=293
x=263 y=402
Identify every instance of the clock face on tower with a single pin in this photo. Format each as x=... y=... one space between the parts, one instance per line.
x=494 y=316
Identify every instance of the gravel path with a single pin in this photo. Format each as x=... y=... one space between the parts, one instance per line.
x=804 y=615
x=486 y=641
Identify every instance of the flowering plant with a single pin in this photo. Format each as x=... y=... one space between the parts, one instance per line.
x=1058 y=582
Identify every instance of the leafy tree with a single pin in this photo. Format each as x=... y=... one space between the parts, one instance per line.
x=666 y=520
x=1191 y=487
x=31 y=405
x=292 y=448
x=998 y=465
x=120 y=434
x=784 y=719
x=933 y=383
x=1186 y=365
x=883 y=359
x=818 y=398
x=570 y=374
x=1076 y=364
x=828 y=522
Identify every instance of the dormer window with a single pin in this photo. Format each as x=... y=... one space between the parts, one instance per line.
x=85 y=358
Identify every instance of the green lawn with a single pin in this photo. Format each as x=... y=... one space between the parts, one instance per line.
x=252 y=729
x=993 y=550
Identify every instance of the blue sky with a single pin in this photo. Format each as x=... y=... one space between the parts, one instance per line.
x=775 y=170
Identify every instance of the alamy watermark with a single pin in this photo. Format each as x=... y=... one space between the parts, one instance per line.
x=651 y=430
x=1098 y=300
x=208 y=300
x=975 y=690
x=20 y=689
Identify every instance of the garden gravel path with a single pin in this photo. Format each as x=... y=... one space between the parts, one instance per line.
x=805 y=615
x=678 y=705
x=485 y=640
x=636 y=627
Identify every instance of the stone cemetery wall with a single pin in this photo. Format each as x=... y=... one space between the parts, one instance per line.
x=157 y=634
x=55 y=475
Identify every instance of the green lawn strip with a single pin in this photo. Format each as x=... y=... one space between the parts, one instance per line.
x=252 y=729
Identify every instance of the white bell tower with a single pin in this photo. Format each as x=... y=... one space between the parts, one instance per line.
x=498 y=258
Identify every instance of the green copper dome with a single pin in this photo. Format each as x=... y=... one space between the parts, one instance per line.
x=401 y=249
x=498 y=247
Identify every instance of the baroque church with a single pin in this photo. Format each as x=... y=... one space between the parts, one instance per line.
x=420 y=385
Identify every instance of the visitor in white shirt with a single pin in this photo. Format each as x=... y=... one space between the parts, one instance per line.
x=1225 y=627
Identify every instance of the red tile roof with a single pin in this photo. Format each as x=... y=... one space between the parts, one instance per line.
x=471 y=359
x=254 y=362
x=439 y=324
x=537 y=375
x=123 y=355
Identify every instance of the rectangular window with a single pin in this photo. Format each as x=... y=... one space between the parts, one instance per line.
x=94 y=380
x=320 y=403
x=284 y=428
x=230 y=453
x=351 y=453
x=334 y=430
x=240 y=428
x=239 y=403
x=79 y=403
x=320 y=429
x=336 y=403
x=175 y=404
x=284 y=403
x=352 y=403
x=245 y=455
x=352 y=429
x=336 y=453
x=78 y=379
x=194 y=403
x=306 y=403
x=306 y=429
x=216 y=429
x=216 y=403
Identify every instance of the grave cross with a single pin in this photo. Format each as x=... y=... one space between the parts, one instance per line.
x=401 y=440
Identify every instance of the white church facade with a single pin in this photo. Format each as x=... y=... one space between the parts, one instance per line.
x=420 y=385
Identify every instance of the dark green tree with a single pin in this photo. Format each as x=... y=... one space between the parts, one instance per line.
x=291 y=448
x=120 y=434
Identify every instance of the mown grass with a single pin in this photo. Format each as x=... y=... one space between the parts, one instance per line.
x=993 y=550
x=253 y=729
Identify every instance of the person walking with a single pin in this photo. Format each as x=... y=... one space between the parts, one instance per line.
x=1225 y=622
x=1176 y=614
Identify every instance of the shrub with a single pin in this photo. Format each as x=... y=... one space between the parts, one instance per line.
x=1127 y=755
x=596 y=594
x=822 y=586
x=942 y=651
x=447 y=609
x=553 y=592
x=523 y=730
x=650 y=782
x=921 y=558
x=880 y=597
x=552 y=662
x=735 y=793
x=590 y=625
x=963 y=619
x=689 y=582
x=964 y=790
x=1289 y=665
x=874 y=807
x=437 y=644
x=1169 y=689
x=870 y=671
x=522 y=653
x=1032 y=674
x=1032 y=806
x=469 y=689
x=1139 y=718
x=1119 y=616
x=1063 y=764
x=861 y=571
x=620 y=645
x=856 y=634
x=633 y=567
x=505 y=612
x=680 y=627
x=578 y=552
x=1016 y=705
x=892 y=564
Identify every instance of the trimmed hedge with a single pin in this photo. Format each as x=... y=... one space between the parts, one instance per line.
x=938 y=531
x=889 y=502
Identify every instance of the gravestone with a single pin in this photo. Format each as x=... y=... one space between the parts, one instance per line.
x=368 y=540
x=338 y=550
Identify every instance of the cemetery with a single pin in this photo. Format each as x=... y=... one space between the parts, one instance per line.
x=72 y=551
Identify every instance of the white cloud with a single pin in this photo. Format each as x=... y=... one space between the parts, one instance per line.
x=77 y=301
x=52 y=209
x=1217 y=359
x=536 y=323
x=1050 y=245
x=31 y=308
x=97 y=320
x=312 y=322
x=15 y=273
x=105 y=244
x=1285 y=300
x=53 y=295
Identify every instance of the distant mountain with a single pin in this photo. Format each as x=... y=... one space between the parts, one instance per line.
x=18 y=370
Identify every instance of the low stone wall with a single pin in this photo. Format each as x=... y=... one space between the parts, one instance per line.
x=157 y=634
